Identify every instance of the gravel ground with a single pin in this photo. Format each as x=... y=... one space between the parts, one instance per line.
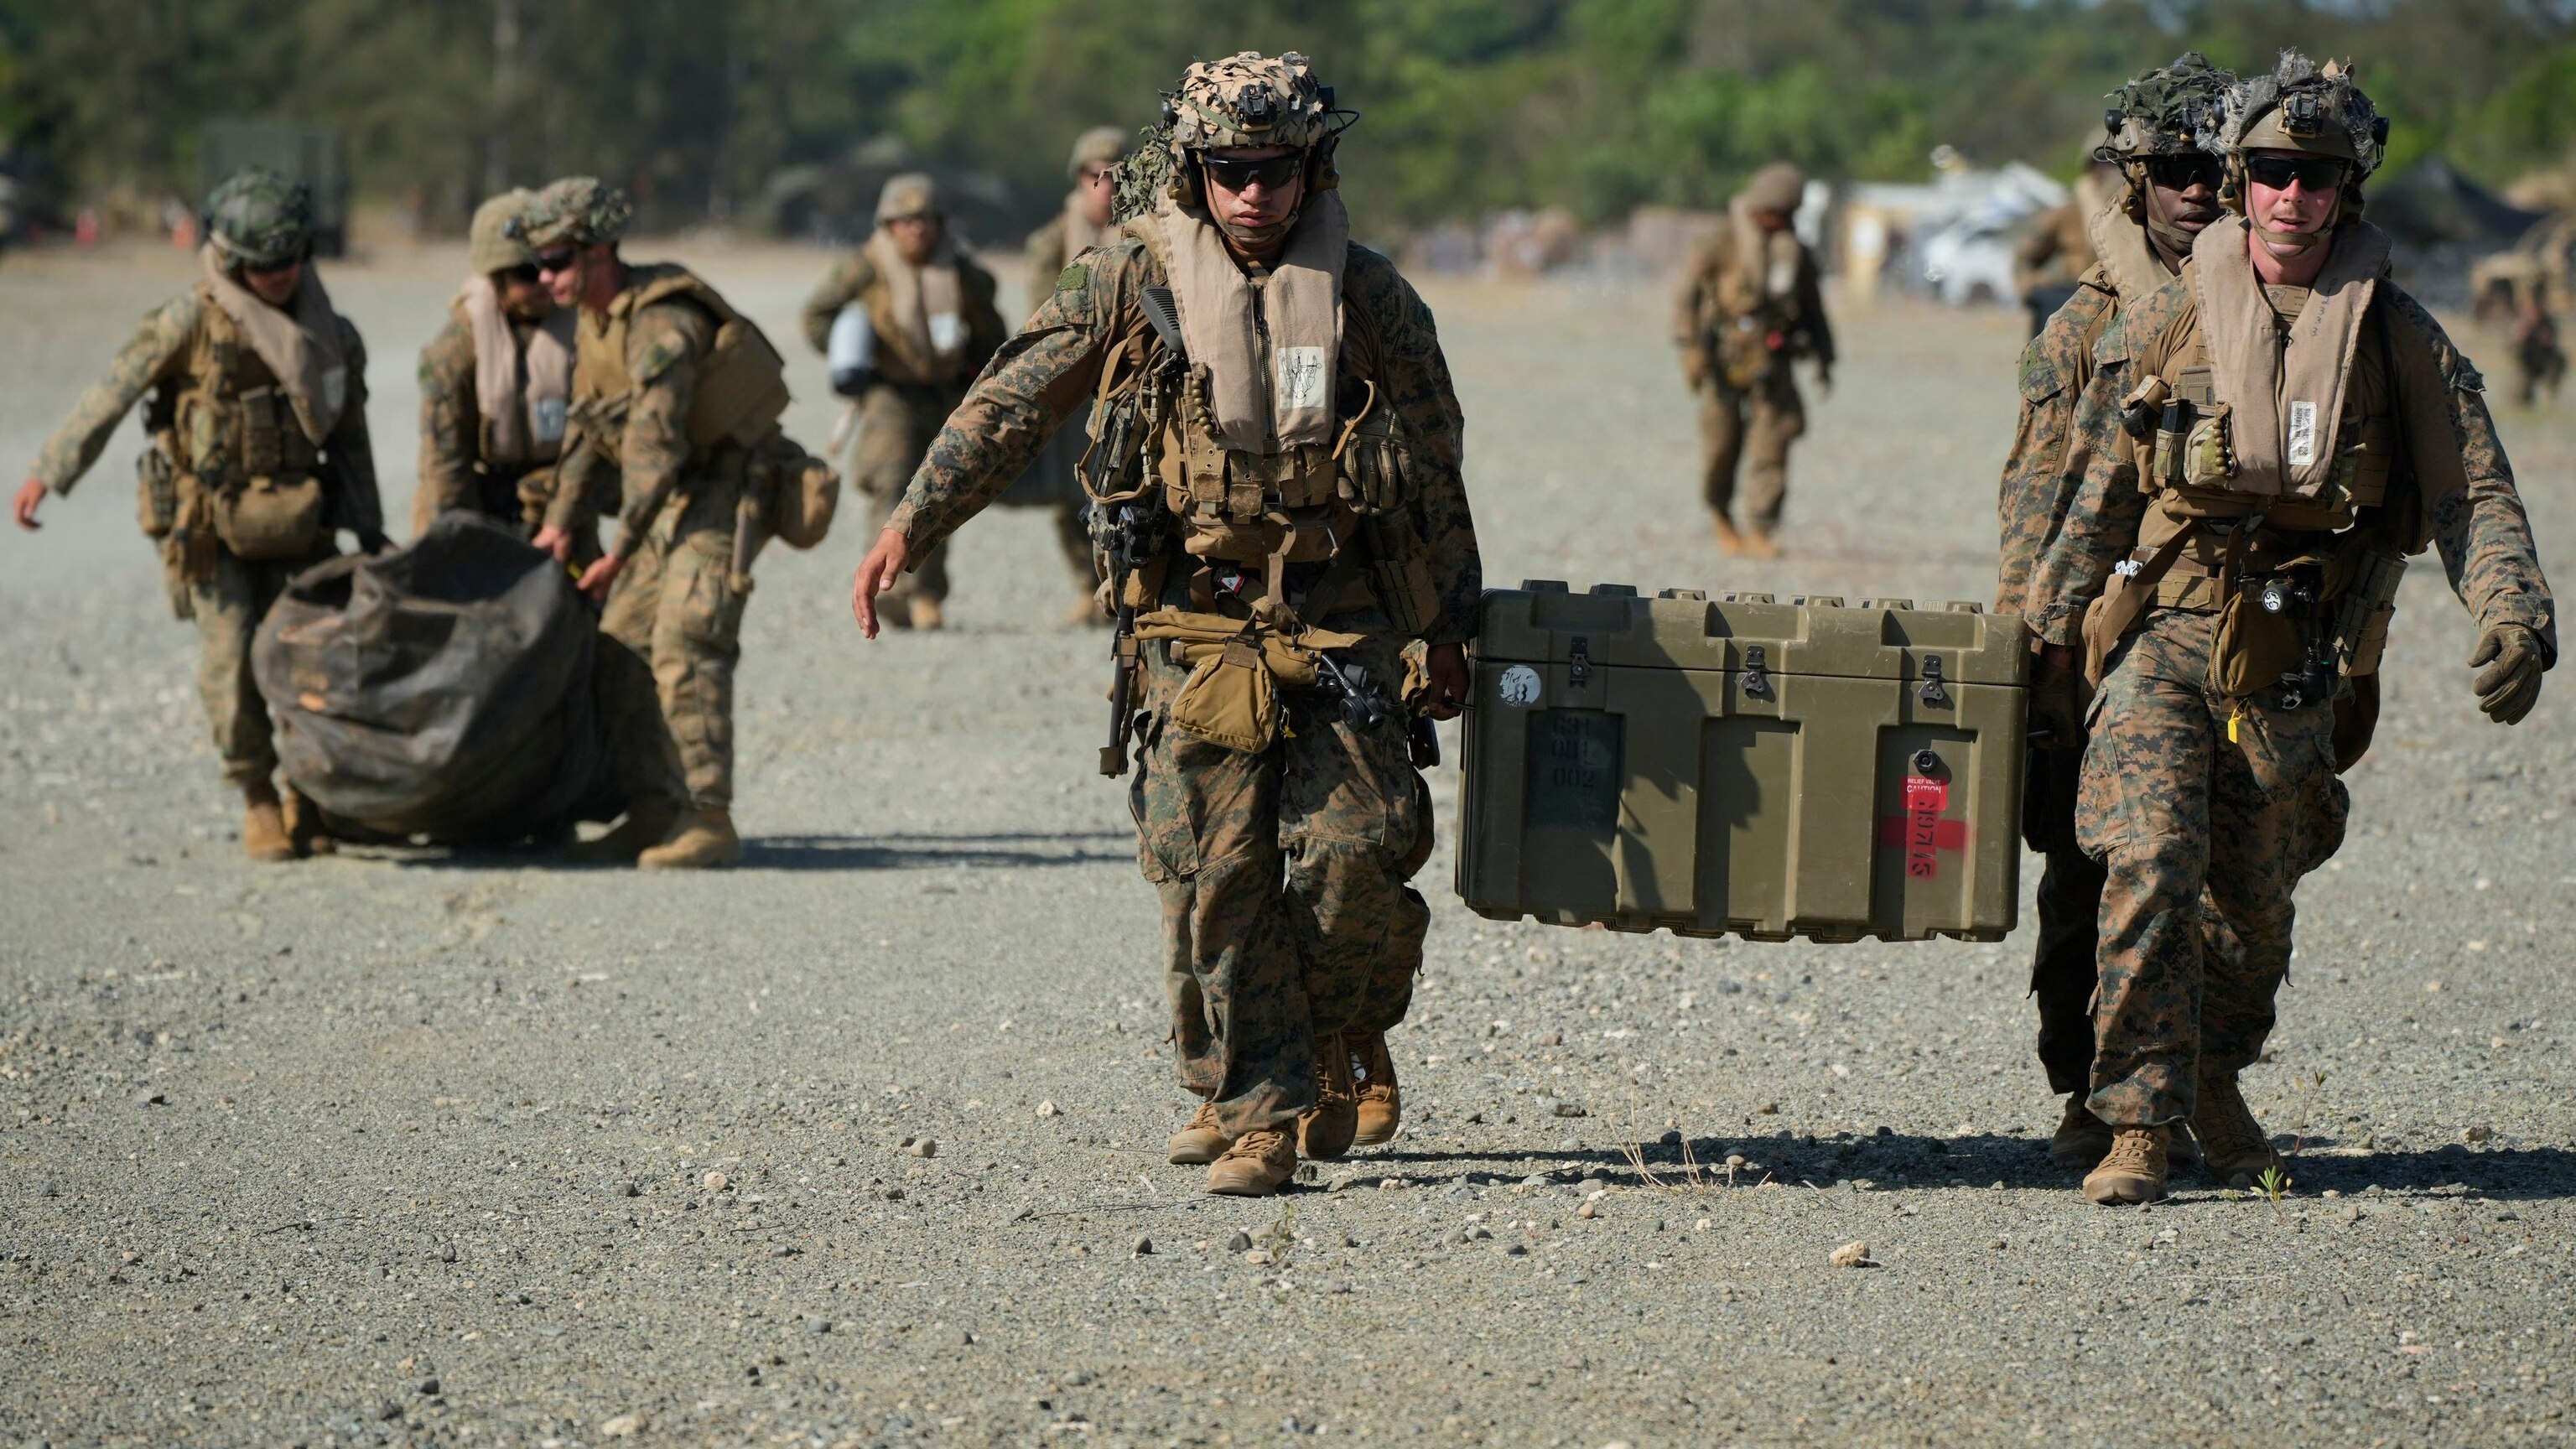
x=402 y=1148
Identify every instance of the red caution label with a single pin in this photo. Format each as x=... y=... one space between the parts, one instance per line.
x=1922 y=832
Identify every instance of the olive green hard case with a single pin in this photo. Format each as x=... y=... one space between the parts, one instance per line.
x=1741 y=765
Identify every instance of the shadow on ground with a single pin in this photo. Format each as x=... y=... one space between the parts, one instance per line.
x=812 y=852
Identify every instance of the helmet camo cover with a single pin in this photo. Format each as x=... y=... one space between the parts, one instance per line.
x=2161 y=112
x=258 y=218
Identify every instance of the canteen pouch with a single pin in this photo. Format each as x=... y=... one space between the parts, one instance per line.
x=2252 y=648
x=269 y=519
x=1230 y=699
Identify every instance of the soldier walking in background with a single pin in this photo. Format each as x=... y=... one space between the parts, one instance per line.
x=2139 y=238
x=1749 y=306
x=259 y=455
x=1277 y=445
x=1084 y=223
x=2267 y=437
x=494 y=384
x=2052 y=260
x=930 y=309
x=671 y=388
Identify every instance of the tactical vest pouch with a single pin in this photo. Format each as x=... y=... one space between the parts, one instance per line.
x=2252 y=647
x=1744 y=351
x=156 y=491
x=2364 y=609
x=1399 y=574
x=797 y=492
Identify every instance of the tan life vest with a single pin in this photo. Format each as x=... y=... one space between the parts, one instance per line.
x=1152 y=431
x=522 y=386
x=247 y=473
x=741 y=385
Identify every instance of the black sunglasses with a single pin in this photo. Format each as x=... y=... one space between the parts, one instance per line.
x=2184 y=171
x=2314 y=173
x=1236 y=175
x=270 y=269
x=556 y=261
x=524 y=272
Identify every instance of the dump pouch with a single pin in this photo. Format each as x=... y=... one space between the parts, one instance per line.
x=2252 y=647
x=1230 y=699
x=269 y=519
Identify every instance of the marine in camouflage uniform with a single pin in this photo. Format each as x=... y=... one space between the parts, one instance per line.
x=503 y=335
x=1750 y=304
x=1084 y=223
x=1280 y=859
x=259 y=455
x=935 y=325
x=648 y=342
x=2211 y=770
x=2136 y=239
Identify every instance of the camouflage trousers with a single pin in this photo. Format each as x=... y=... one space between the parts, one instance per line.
x=1759 y=421
x=228 y=607
x=674 y=604
x=2065 y=968
x=896 y=426
x=2197 y=812
x=1286 y=916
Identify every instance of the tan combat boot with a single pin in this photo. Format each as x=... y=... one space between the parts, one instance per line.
x=304 y=826
x=1729 y=542
x=1373 y=1072
x=2081 y=1138
x=1257 y=1165
x=2237 y=1150
x=1325 y=1129
x=646 y=825
x=1202 y=1141
x=264 y=834
x=926 y=616
x=1758 y=543
x=2132 y=1171
x=705 y=842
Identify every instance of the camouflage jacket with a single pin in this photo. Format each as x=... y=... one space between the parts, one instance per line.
x=157 y=358
x=854 y=279
x=1052 y=367
x=2044 y=466
x=451 y=427
x=2454 y=465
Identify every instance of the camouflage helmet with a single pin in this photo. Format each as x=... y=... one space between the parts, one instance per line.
x=2300 y=106
x=908 y=194
x=2161 y=112
x=258 y=218
x=1099 y=146
x=1779 y=187
x=492 y=243
x=583 y=211
x=1246 y=100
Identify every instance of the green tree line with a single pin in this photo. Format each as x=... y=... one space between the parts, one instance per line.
x=1596 y=105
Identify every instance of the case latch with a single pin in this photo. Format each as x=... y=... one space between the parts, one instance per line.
x=1932 y=693
x=1578 y=663
x=1757 y=671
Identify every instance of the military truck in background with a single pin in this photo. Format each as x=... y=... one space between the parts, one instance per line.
x=314 y=155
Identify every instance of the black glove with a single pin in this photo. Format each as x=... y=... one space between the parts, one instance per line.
x=854 y=381
x=2510 y=684
x=2056 y=706
x=374 y=541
